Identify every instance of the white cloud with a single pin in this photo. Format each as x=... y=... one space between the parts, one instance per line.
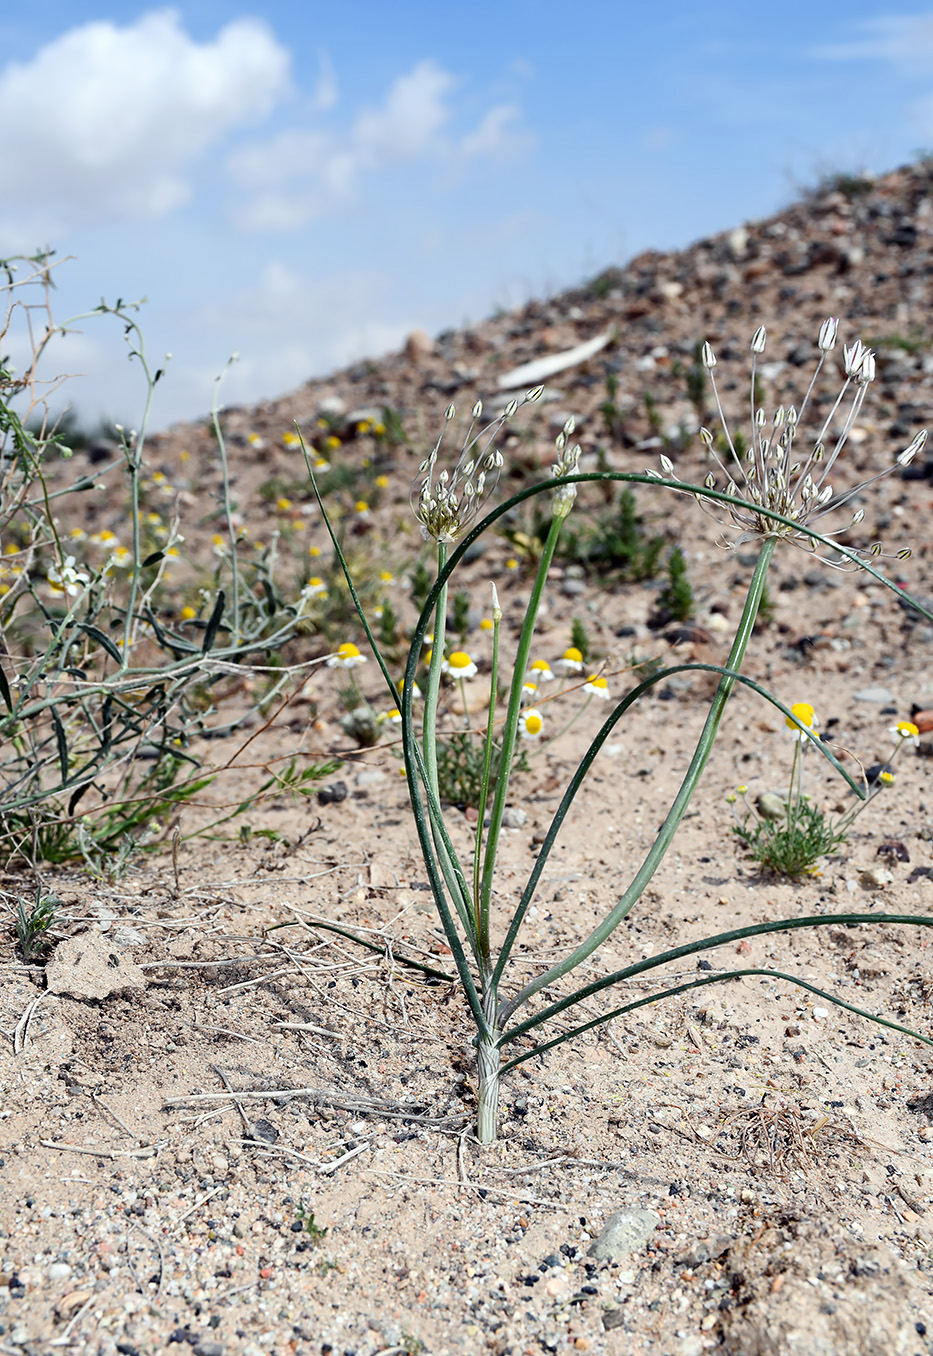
x=408 y=122
x=287 y=327
x=905 y=40
x=108 y=119
x=300 y=174
x=494 y=135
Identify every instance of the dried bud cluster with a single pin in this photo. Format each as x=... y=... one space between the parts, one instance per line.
x=771 y=473
x=447 y=502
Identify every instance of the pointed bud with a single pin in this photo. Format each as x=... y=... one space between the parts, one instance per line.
x=759 y=339
x=667 y=466
x=477 y=409
x=876 y=549
x=708 y=357
x=510 y=408
x=852 y=355
x=903 y=553
x=706 y=438
x=866 y=369
x=710 y=481
x=857 y=517
x=449 y=413
x=909 y=452
x=535 y=393
x=827 y=339
x=496 y=609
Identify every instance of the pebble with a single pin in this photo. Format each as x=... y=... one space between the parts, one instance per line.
x=878 y=696
x=876 y=877
x=625 y=1231
x=514 y=817
x=59 y=1271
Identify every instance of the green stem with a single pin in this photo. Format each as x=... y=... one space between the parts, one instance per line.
x=228 y=512
x=482 y=917
x=676 y=813
x=510 y=730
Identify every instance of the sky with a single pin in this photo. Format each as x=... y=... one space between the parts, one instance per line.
x=304 y=185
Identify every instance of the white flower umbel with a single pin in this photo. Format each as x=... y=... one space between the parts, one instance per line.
x=773 y=473
x=445 y=503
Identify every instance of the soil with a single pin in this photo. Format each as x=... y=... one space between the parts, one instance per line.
x=225 y=1126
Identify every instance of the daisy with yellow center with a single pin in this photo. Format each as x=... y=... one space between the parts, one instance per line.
x=314 y=550
x=807 y=716
x=386 y=577
x=347 y=657
x=597 y=687
x=511 y=563
x=571 y=661
x=530 y=723
x=541 y=671
x=529 y=691
x=283 y=504
x=382 y=482
x=315 y=587
x=393 y=717
x=415 y=689
x=459 y=665
x=188 y=613
x=362 y=509
x=291 y=440
x=487 y=624
x=905 y=730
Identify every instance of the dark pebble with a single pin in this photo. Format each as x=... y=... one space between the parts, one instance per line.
x=208 y=1349
x=128 y=1349
x=297 y=1227
x=331 y=795
x=263 y=1129
x=704 y=965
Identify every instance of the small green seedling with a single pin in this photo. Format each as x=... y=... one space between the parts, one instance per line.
x=33 y=923
x=314 y=1231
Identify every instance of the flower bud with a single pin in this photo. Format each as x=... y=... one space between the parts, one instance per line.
x=708 y=357
x=759 y=339
x=828 y=330
x=909 y=452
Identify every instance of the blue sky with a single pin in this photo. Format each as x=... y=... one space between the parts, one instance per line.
x=306 y=184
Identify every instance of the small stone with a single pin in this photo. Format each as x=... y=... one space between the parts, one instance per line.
x=624 y=1232
x=59 y=1271
x=572 y=588
x=219 y=1163
x=878 y=696
x=876 y=877
x=514 y=817
x=87 y=966
x=333 y=794
x=418 y=346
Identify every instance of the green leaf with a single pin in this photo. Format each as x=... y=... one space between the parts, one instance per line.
x=62 y=743
x=213 y=623
x=103 y=640
x=5 y=690
x=153 y=559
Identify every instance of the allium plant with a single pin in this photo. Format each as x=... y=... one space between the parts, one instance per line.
x=772 y=496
